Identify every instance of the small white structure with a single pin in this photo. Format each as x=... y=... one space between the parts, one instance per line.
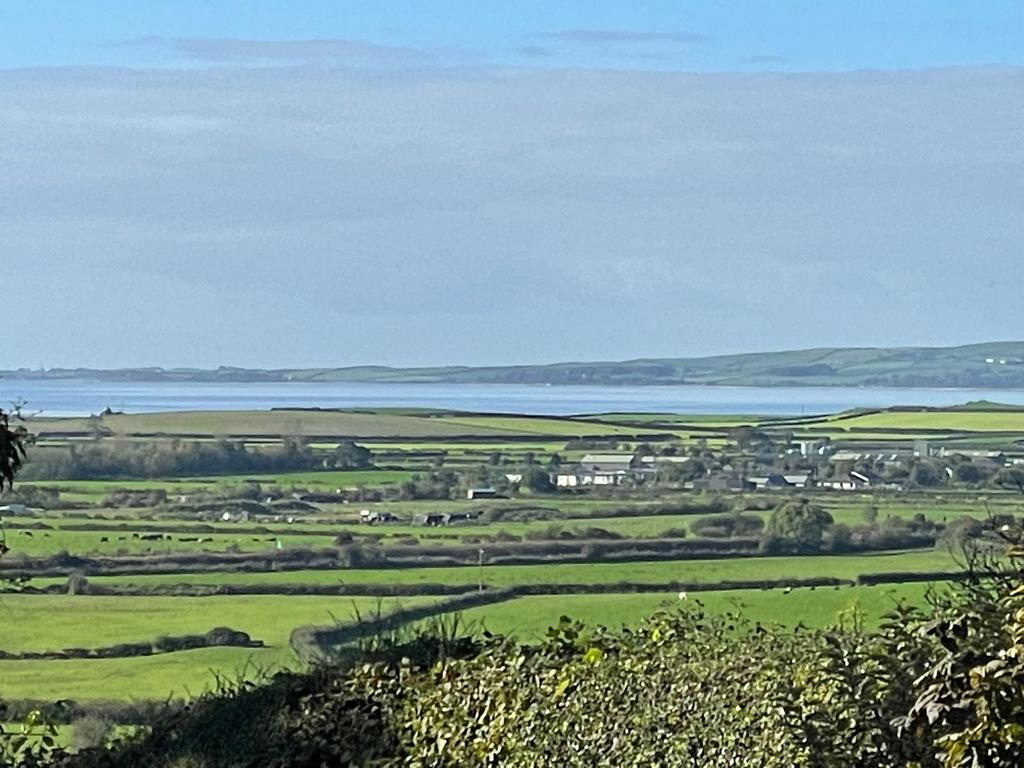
x=850 y=481
x=566 y=479
x=13 y=509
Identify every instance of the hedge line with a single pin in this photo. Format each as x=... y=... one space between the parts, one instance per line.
x=217 y=637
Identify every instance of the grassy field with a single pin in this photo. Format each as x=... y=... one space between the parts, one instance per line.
x=697 y=571
x=527 y=618
x=95 y=490
x=94 y=621
x=316 y=424
x=408 y=441
x=936 y=421
x=534 y=425
x=36 y=622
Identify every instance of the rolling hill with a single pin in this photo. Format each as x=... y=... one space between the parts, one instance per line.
x=994 y=364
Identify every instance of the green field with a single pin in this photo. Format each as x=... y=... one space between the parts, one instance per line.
x=527 y=618
x=410 y=441
x=936 y=421
x=697 y=571
x=45 y=622
x=317 y=424
x=96 y=621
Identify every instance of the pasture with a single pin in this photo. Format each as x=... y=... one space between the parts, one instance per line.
x=408 y=443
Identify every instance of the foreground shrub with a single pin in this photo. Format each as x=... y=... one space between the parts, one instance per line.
x=936 y=690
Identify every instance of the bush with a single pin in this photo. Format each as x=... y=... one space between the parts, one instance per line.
x=90 y=731
x=729 y=524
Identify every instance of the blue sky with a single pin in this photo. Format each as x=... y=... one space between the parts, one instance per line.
x=419 y=183
x=811 y=35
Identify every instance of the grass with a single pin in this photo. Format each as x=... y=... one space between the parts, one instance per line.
x=93 y=621
x=535 y=425
x=94 y=490
x=45 y=622
x=936 y=421
x=527 y=618
x=319 y=424
x=702 y=571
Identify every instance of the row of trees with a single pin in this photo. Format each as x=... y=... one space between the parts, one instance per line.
x=180 y=458
x=800 y=526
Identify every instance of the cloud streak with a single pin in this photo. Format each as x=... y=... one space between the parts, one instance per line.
x=606 y=36
x=502 y=215
x=238 y=50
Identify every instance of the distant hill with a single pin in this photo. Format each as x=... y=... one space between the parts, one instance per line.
x=990 y=365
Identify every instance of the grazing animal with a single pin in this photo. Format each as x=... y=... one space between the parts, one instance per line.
x=104 y=538
x=27 y=533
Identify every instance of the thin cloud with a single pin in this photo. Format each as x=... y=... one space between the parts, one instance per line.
x=238 y=50
x=533 y=50
x=600 y=36
x=395 y=219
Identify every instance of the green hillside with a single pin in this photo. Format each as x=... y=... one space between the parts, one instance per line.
x=994 y=364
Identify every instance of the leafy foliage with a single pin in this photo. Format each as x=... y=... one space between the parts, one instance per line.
x=936 y=690
x=801 y=523
x=13 y=440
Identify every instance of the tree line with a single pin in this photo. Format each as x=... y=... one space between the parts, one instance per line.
x=108 y=459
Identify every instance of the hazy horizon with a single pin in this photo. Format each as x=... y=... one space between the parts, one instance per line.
x=348 y=187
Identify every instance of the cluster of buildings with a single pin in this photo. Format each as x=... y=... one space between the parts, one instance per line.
x=611 y=469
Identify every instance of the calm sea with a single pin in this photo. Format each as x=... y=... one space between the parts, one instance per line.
x=73 y=397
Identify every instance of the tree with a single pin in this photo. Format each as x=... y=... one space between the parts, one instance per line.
x=348 y=455
x=12 y=450
x=801 y=523
x=1011 y=478
x=927 y=474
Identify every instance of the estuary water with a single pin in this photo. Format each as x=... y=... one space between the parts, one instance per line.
x=81 y=397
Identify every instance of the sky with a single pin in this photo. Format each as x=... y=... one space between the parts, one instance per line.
x=281 y=184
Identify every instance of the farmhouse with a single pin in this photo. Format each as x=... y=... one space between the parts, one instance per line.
x=602 y=469
x=852 y=481
x=778 y=481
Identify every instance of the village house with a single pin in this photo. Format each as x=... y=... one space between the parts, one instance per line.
x=602 y=469
x=778 y=481
x=853 y=481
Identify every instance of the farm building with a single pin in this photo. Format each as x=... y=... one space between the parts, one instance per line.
x=601 y=469
x=853 y=481
x=481 y=493
x=778 y=481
